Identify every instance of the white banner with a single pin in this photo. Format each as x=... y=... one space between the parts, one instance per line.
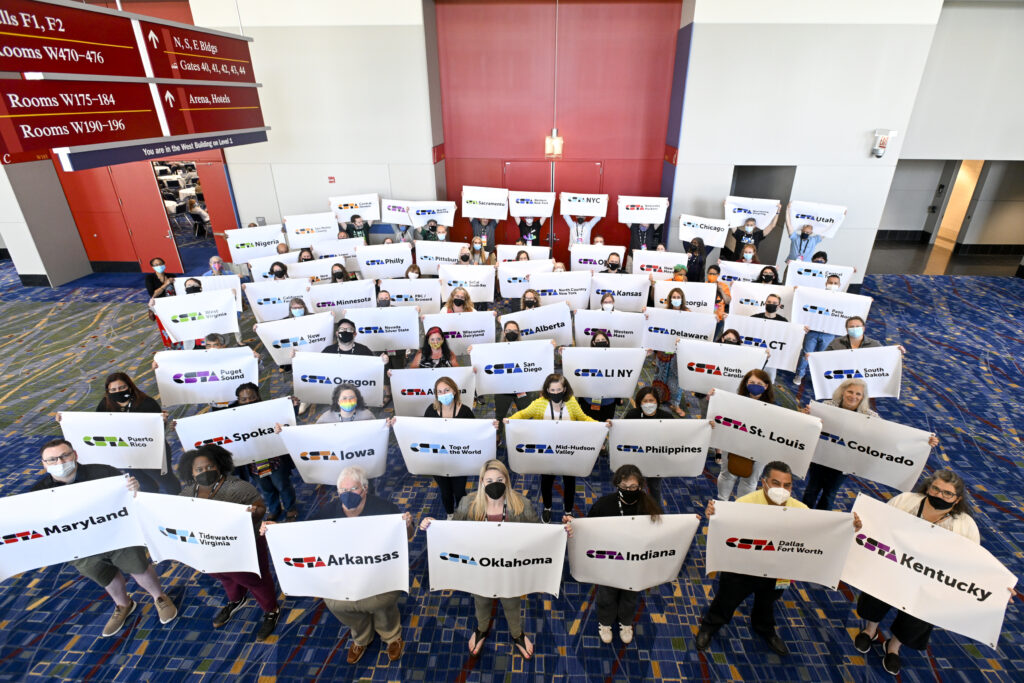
x=269 y=299
x=748 y=299
x=602 y=373
x=660 y=448
x=396 y=211
x=508 y=252
x=512 y=276
x=576 y=204
x=881 y=367
x=431 y=253
x=531 y=204
x=214 y=283
x=378 y=261
x=477 y=280
x=543 y=322
x=185 y=377
x=658 y=264
x=315 y=375
x=445 y=447
x=624 y=330
x=247 y=431
x=809 y=274
x=707 y=365
x=784 y=340
x=594 y=257
x=462 y=330
x=307 y=333
x=249 y=243
x=663 y=326
x=317 y=271
x=339 y=251
x=484 y=202
x=826 y=311
x=512 y=367
x=567 y=447
x=422 y=212
x=699 y=296
x=193 y=316
x=631 y=553
x=386 y=329
x=321 y=451
x=259 y=267
x=824 y=218
x=572 y=288
x=413 y=390
x=341 y=559
x=121 y=440
x=642 y=209
x=337 y=296
x=928 y=572
x=422 y=292
x=713 y=231
x=739 y=209
x=736 y=272
x=630 y=291
x=308 y=228
x=367 y=206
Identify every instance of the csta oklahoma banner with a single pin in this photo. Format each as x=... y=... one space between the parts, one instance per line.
x=321 y=451
x=307 y=333
x=660 y=448
x=566 y=447
x=412 y=389
x=445 y=447
x=881 y=367
x=122 y=440
x=315 y=375
x=209 y=376
x=602 y=373
x=247 y=431
x=512 y=367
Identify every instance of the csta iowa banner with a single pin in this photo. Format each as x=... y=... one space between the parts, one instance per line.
x=321 y=451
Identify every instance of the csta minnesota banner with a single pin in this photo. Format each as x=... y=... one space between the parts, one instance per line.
x=337 y=296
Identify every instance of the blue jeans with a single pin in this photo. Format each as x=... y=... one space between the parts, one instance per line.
x=666 y=371
x=277 y=490
x=813 y=342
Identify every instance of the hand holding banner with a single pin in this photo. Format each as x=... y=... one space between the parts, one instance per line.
x=699 y=297
x=881 y=367
x=706 y=365
x=602 y=372
x=739 y=209
x=462 y=330
x=386 y=329
x=484 y=202
x=269 y=299
x=824 y=218
x=784 y=340
x=307 y=333
x=378 y=261
x=249 y=243
x=576 y=204
x=425 y=293
x=642 y=209
x=512 y=367
x=321 y=451
x=247 y=431
x=593 y=257
x=624 y=330
x=337 y=296
x=366 y=206
x=121 y=440
x=445 y=447
x=713 y=231
x=413 y=389
x=543 y=322
x=477 y=280
x=564 y=447
x=663 y=326
x=572 y=288
x=531 y=205
x=630 y=291
x=660 y=448
x=305 y=229
x=210 y=376
x=193 y=316
x=315 y=375
x=827 y=312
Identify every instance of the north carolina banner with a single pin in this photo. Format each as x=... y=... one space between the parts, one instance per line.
x=642 y=209
x=928 y=572
x=193 y=316
x=810 y=274
x=445 y=447
x=308 y=333
x=824 y=218
x=269 y=299
x=748 y=299
x=870 y=447
x=779 y=542
x=378 y=261
x=706 y=365
x=658 y=264
x=422 y=212
x=211 y=376
x=462 y=330
x=570 y=287
x=512 y=275
x=660 y=448
x=337 y=296
x=321 y=451
x=733 y=271
x=739 y=209
x=395 y=211
x=713 y=231
x=783 y=340
x=630 y=291
x=576 y=204
x=512 y=367
x=508 y=252
x=315 y=375
x=663 y=326
x=121 y=440
x=351 y=558
x=413 y=390
x=366 y=206
x=826 y=311
x=762 y=432
x=386 y=329
x=422 y=292
x=503 y=560
x=531 y=204
x=339 y=251
x=249 y=243
x=624 y=330
x=554 y=446
x=699 y=297
x=880 y=366
x=484 y=202
x=305 y=229
x=207 y=535
x=594 y=257
x=227 y=281
x=430 y=254
x=247 y=431
x=259 y=267
x=543 y=322
x=477 y=280
x=631 y=553
x=602 y=373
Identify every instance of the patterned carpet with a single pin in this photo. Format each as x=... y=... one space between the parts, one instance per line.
x=965 y=339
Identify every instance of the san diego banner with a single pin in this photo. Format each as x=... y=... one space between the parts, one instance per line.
x=315 y=376
x=565 y=447
x=699 y=297
x=477 y=280
x=660 y=448
x=543 y=322
x=305 y=229
x=193 y=316
x=783 y=340
x=825 y=311
x=121 y=440
x=367 y=206
x=881 y=367
x=269 y=299
x=642 y=209
x=630 y=291
x=713 y=231
x=706 y=365
x=662 y=326
x=624 y=330
x=335 y=297
x=739 y=209
x=748 y=299
x=430 y=254
x=209 y=376
x=249 y=243
x=594 y=257
x=531 y=204
x=512 y=367
x=658 y=264
x=247 y=431
x=513 y=276
x=413 y=389
x=570 y=287
x=386 y=329
x=602 y=373
x=810 y=274
x=307 y=333
x=422 y=292
x=445 y=447
x=824 y=218
x=378 y=261
x=321 y=451
x=576 y=204
x=462 y=330
x=503 y=560
x=484 y=202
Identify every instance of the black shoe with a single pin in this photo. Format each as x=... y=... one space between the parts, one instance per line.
x=268 y=625
x=862 y=642
x=703 y=639
x=226 y=611
x=777 y=644
x=890 y=660
x=545 y=516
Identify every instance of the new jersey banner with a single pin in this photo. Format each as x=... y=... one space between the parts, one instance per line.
x=341 y=251
x=565 y=446
x=826 y=311
x=247 y=431
x=630 y=291
x=337 y=296
x=227 y=281
x=351 y=558
x=739 y=209
x=642 y=209
x=307 y=333
x=477 y=280
x=422 y=292
x=880 y=366
x=824 y=218
x=321 y=451
x=503 y=560
x=422 y=212
x=809 y=274
x=784 y=340
x=210 y=376
x=713 y=231
x=576 y=204
x=513 y=278
x=462 y=330
x=315 y=375
x=378 y=261
x=624 y=330
x=543 y=322
x=602 y=373
x=631 y=553
x=531 y=204
x=512 y=367
x=508 y=252
x=699 y=297
x=395 y=211
x=305 y=229
x=706 y=365
x=445 y=447
x=572 y=288
x=367 y=206
x=658 y=264
x=779 y=542
x=193 y=316
x=733 y=271
x=386 y=329
x=748 y=299
x=249 y=243
x=430 y=254
x=269 y=299
x=121 y=440
x=594 y=257
x=413 y=389
x=259 y=267
x=662 y=326
x=660 y=448
x=484 y=202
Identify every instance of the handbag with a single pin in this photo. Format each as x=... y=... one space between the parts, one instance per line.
x=740 y=466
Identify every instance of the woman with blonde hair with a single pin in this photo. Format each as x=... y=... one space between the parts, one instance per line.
x=459 y=301
x=665 y=373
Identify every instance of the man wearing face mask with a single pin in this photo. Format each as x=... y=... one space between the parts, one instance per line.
x=771 y=307
x=801 y=243
x=854 y=337
x=345 y=333
x=428 y=233
x=644 y=236
x=442 y=233
x=749 y=233
x=580 y=228
x=813 y=340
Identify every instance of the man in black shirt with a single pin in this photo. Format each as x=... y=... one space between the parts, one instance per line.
x=345 y=333
x=771 y=306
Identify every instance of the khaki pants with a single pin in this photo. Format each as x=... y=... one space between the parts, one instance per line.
x=513 y=608
x=363 y=617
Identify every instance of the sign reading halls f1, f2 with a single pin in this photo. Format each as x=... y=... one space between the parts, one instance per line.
x=194 y=109
x=177 y=52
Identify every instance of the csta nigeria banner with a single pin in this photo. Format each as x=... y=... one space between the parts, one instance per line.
x=395 y=211
x=733 y=271
x=762 y=432
x=566 y=447
x=632 y=553
x=699 y=297
x=307 y=333
x=386 y=329
x=508 y=252
x=827 y=312
x=377 y=261
x=121 y=440
x=503 y=560
x=824 y=218
x=570 y=287
x=341 y=251
x=713 y=231
x=269 y=299
x=431 y=254
x=485 y=202
x=809 y=274
x=367 y=206
x=928 y=572
x=227 y=281
x=513 y=276
x=624 y=330
x=420 y=213
x=881 y=367
x=477 y=280
x=246 y=431
x=462 y=330
x=259 y=268
x=576 y=204
x=422 y=292
x=512 y=367
x=642 y=209
x=660 y=265
x=748 y=299
x=193 y=316
x=321 y=451
x=445 y=447
x=248 y=243
x=706 y=365
x=779 y=542
x=783 y=340
x=739 y=209
x=553 y=321
x=630 y=291
x=210 y=376
x=208 y=535
x=413 y=389
x=662 y=326
x=337 y=296
x=531 y=204
x=305 y=229
x=594 y=257
x=315 y=375
x=602 y=373
x=351 y=558
x=660 y=448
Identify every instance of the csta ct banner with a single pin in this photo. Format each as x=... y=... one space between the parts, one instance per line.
x=193 y=316
x=576 y=204
x=121 y=440
x=602 y=373
x=824 y=218
x=660 y=448
x=810 y=274
x=462 y=330
x=784 y=340
x=377 y=261
x=270 y=299
x=210 y=376
x=413 y=389
x=713 y=231
x=420 y=213
x=321 y=451
x=572 y=288
x=512 y=367
x=739 y=209
x=531 y=204
x=307 y=333
x=706 y=365
x=247 y=431
x=444 y=447
x=337 y=296
x=748 y=299
x=553 y=321
x=477 y=280
x=422 y=292
x=484 y=202
x=431 y=254
x=642 y=209
x=249 y=243
x=630 y=291
x=566 y=447
x=503 y=560
x=513 y=276
x=305 y=229
x=594 y=257
x=315 y=375
x=699 y=296
x=663 y=326
x=658 y=264
x=366 y=206
x=386 y=329
x=624 y=330
x=825 y=311
x=880 y=366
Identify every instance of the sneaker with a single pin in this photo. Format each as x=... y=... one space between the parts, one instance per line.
x=626 y=633
x=268 y=625
x=862 y=643
x=116 y=621
x=226 y=611
x=604 y=633
x=165 y=609
x=798 y=380
x=545 y=516
x=890 y=660
x=394 y=649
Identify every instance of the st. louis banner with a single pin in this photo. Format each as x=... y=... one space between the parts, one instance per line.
x=658 y=264
x=386 y=329
x=748 y=299
x=413 y=389
x=337 y=296
x=699 y=296
x=631 y=553
x=570 y=287
x=713 y=231
x=810 y=274
x=512 y=367
x=824 y=218
x=193 y=316
x=211 y=376
x=642 y=209
x=321 y=451
x=477 y=280
x=602 y=373
x=227 y=281
x=660 y=448
x=259 y=267
x=484 y=202
x=826 y=311
x=739 y=209
x=121 y=440
x=395 y=211
x=305 y=229
x=880 y=366
x=576 y=204
x=247 y=431
x=430 y=254
x=663 y=326
x=420 y=213
x=315 y=375
x=249 y=243
x=543 y=322
x=341 y=251
x=594 y=257
x=422 y=292
x=513 y=276
x=462 y=330
x=445 y=447
x=502 y=560
x=269 y=299
x=508 y=252
x=367 y=206
x=706 y=365
x=734 y=271
x=784 y=341
x=315 y=272
x=624 y=330
x=630 y=291
x=554 y=446
x=531 y=204
x=308 y=333
x=378 y=261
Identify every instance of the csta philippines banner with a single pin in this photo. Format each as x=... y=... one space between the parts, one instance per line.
x=413 y=389
x=386 y=329
x=513 y=276
x=121 y=440
x=748 y=299
x=512 y=367
x=269 y=299
x=594 y=257
x=699 y=297
x=706 y=365
x=565 y=447
x=247 y=431
x=572 y=288
x=444 y=447
x=307 y=333
x=824 y=218
x=425 y=293
x=779 y=542
x=576 y=204
x=784 y=340
x=553 y=321
x=739 y=209
x=366 y=206
x=210 y=376
x=713 y=231
x=315 y=375
x=305 y=229
x=804 y=274
x=420 y=213
x=337 y=296
x=531 y=204
x=508 y=252
x=248 y=243
x=642 y=209
x=477 y=280
x=602 y=373
x=662 y=326
x=658 y=264
x=462 y=330
x=377 y=261
x=341 y=559
x=660 y=448
x=503 y=560
x=734 y=271
x=624 y=330
x=321 y=451
x=259 y=267
x=880 y=366
x=430 y=254
x=630 y=291
x=484 y=202
x=631 y=553
x=827 y=312
x=193 y=316
x=928 y=572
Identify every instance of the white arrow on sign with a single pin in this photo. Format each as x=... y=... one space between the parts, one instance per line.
x=153 y=39
x=169 y=98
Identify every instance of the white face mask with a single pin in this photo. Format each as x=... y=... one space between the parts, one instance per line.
x=778 y=495
x=749 y=228
x=607 y=307
x=559 y=270
x=61 y=470
x=413 y=276
x=677 y=303
x=649 y=408
x=832 y=288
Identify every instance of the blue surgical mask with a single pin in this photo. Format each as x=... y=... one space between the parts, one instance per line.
x=747 y=256
x=755 y=390
x=748 y=228
x=159 y=269
x=351 y=499
x=446 y=399
x=855 y=332
x=298 y=312
x=677 y=303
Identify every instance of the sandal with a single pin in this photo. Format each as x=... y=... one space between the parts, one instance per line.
x=477 y=642
x=520 y=643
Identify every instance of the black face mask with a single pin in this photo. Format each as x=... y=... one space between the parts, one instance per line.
x=495 y=490
x=767 y=277
x=730 y=340
x=613 y=266
x=819 y=261
x=629 y=497
x=383 y=303
x=337 y=276
x=458 y=302
x=120 y=396
x=804 y=235
x=511 y=335
x=530 y=303
x=193 y=290
x=601 y=345
x=939 y=503
x=207 y=478
x=346 y=337
x=463 y=257
x=555 y=397
x=277 y=273
x=304 y=259
x=771 y=308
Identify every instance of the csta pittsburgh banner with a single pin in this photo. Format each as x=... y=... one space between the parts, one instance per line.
x=602 y=373
x=308 y=333
x=321 y=451
x=566 y=447
x=660 y=448
x=705 y=365
x=413 y=388
x=512 y=367
x=444 y=447
x=247 y=431
x=315 y=375
x=337 y=296
x=432 y=254
x=122 y=440
x=881 y=367
x=210 y=376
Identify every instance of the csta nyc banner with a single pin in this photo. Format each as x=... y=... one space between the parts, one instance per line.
x=485 y=202
x=307 y=333
x=566 y=447
x=122 y=440
x=705 y=365
x=576 y=204
x=713 y=231
x=269 y=299
x=445 y=447
x=367 y=206
x=553 y=321
x=413 y=389
x=315 y=376
x=424 y=292
x=642 y=209
x=624 y=330
x=660 y=448
x=512 y=367
x=880 y=366
x=477 y=280
x=630 y=291
x=462 y=330
x=739 y=209
x=193 y=316
x=210 y=376
x=572 y=288
x=827 y=312
x=248 y=243
x=602 y=373
x=247 y=431
x=386 y=329
x=662 y=326
x=784 y=340
x=321 y=451
x=378 y=261
x=824 y=218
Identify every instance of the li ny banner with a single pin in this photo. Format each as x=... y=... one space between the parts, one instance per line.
x=659 y=265
x=386 y=329
x=315 y=376
x=321 y=451
x=827 y=312
x=335 y=297
x=784 y=341
x=462 y=330
x=739 y=209
x=269 y=299
x=413 y=390
x=513 y=276
x=630 y=291
x=602 y=373
x=576 y=204
x=881 y=367
x=444 y=447
x=193 y=316
x=809 y=274
x=249 y=243
x=824 y=218
x=642 y=209
x=531 y=204
x=477 y=280
x=247 y=431
x=395 y=211
x=706 y=365
x=572 y=288
x=699 y=297
x=484 y=202
x=594 y=257
x=748 y=299
x=259 y=267
x=566 y=447
x=660 y=448
x=543 y=322
x=512 y=367
x=422 y=292
x=713 y=231
x=509 y=252
x=420 y=213
x=227 y=281
x=307 y=333
x=186 y=377
x=121 y=440
x=378 y=261
x=366 y=206
x=624 y=330
x=305 y=229
x=341 y=251
x=662 y=327
x=735 y=272
x=430 y=254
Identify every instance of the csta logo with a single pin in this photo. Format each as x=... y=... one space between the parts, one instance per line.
x=461 y=559
x=817 y=311
x=706 y=368
x=843 y=374
x=548 y=292
x=605 y=555
x=104 y=441
x=20 y=536
x=183 y=535
x=874 y=546
x=435 y=448
x=832 y=438
x=516 y=280
x=503 y=369
x=375 y=262
x=411 y=298
x=534 y=448
x=627 y=448
x=289 y=342
x=371 y=329
x=650 y=267
x=187 y=317
x=269 y=300
x=750 y=543
x=304 y=562
x=811 y=217
x=305 y=231
x=454 y=334
x=588 y=331
x=198 y=376
x=218 y=440
x=729 y=422
x=602 y=292
x=348 y=205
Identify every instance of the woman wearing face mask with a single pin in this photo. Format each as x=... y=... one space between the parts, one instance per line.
x=756 y=384
x=648 y=407
x=479 y=255
x=748 y=254
x=665 y=370
x=465 y=256
x=696 y=258
x=608 y=303
x=159 y=285
x=448 y=403
x=529 y=229
x=273 y=475
x=347 y=405
x=510 y=332
x=769 y=276
x=434 y=352
x=458 y=302
x=413 y=272
x=815 y=341
x=613 y=263
x=442 y=233
x=601 y=409
x=339 y=273
x=278 y=271
x=723 y=296
x=559 y=267
x=529 y=300
x=192 y=286
x=306 y=254
x=484 y=229
x=854 y=337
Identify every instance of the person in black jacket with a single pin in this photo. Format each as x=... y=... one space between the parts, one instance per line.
x=648 y=407
x=644 y=236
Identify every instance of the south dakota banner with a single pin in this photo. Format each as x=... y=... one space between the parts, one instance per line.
x=881 y=367
x=543 y=322
x=413 y=389
x=321 y=451
x=193 y=316
x=246 y=431
x=315 y=375
x=210 y=376
x=307 y=333
x=706 y=365
x=445 y=447
x=512 y=367
x=121 y=440
x=566 y=447
x=602 y=373
x=660 y=448
x=386 y=329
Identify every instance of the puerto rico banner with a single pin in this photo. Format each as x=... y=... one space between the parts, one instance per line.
x=259 y=268
x=321 y=451
x=249 y=243
x=315 y=375
x=308 y=228
x=484 y=202
x=366 y=206
x=870 y=447
x=642 y=209
x=121 y=440
x=658 y=264
x=660 y=448
x=339 y=251
x=308 y=333
x=624 y=330
x=748 y=299
x=462 y=330
x=663 y=326
x=825 y=311
x=576 y=204
x=512 y=367
x=779 y=542
x=207 y=535
x=699 y=296
x=572 y=288
x=211 y=376
x=593 y=257
x=269 y=299
x=247 y=431
x=880 y=366
x=335 y=297
x=824 y=218
x=631 y=553
x=630 y=291
x=444 y=447
x=386 y=329
x=566 y=447
x=229 y=282
x=378 y=261
x=503 y=560
x=507 y=252
x=543 y=322
x=739 y=209
x=763 y=432
x=928 y=572
x=351 y=558
x=602 y=373
x=65 y=523
x=395 y=211
x=422 y=292
x=809 y=274
x=531 y=204
x=706 y=365
x=421 y=212
x=477 y=280
x=413 y=389
x=713 y=231
x=430 y=254
x=512 y=276
x=734 y=271
x=193 y=316
x=783 y=340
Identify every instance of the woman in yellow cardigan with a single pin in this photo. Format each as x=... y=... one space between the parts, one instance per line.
x=555 y=403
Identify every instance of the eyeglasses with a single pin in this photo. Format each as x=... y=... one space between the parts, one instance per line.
x=63 y=457
x=942 y=493
x=354 y=489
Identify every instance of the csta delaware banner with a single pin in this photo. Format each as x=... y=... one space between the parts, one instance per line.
x=321 y=451
x=445 y=447
x=660 y=448
x=247 y=431
x=122 y=440
x=663 y=326
x=209 y=376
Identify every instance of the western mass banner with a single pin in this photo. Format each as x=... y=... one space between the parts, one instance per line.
x=207 y=535
x=663 y=326
x=307 y=333
x=784 y=340
x=602 y=373
x=642 y=209
x=779 y=542
x=733 y=271
x=576 y=204
x=699 y=297
x=386 y=329
x=477 y=280
x=508 y=252
x=247 y=431
x=928 y=572
x=512 y=367
x=630 y=291
x=809 y=274
x=351 y=558
x=378 y=261
x=572 y=288
x=413 y=390
x=880 y=366
x=193 y=316
x=531 y=204
x=543 y=322
x=824 y=218
x=211 y=376
x=594 y=257
x=739 y=209
x=624 y=330
x=315 y=375
x=259 y=267
x=121 y=440
x=341 y=251
x=444 y=447
x=305 y=229
x=503 y=560
x=228 y=281
x=269 y=299
x=713 y=231
x=484 y=202
x=337 y=296
x=513 y=277
x=706 y=365
x=870 y=447
x=422 y=212
x=367 y=206
x=826 y=311
x=462 y=330
x=395 y=211
x=748 y=299
x=658 y=264
x=321 y=451
x=762 y=432
x=249 y=243
x=565 y=447
x=631 y=553
x=422 y=292
x=660 y=448
x=431 y=253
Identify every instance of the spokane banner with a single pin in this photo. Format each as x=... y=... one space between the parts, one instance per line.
x=378 y=261
x=337 y=296
x=809 y=274
x=484 y=202
x=386 y=329
x=249 y=243
x=321 y=451
x=572 y=288
x=739 y=209
x=662 y=326
x=565 y=447
x=422 y=292
x=508 y=252
x=602 y=373
x=576 y=204
x=543 y=322
x=341 y=251
x=513 y=276
x=445 y=447
x=315 y=375
x=642 y=209
x=305 y=229
x=269 y=299
x=503 y=560
x=713 y=231
x=431 y=253
x=210 y=376
x=462 y=330
x=699 y=297
x=247 y=431
x=531 y=204
x=630 y=291
x=395 y=211
x=748 y=299
x=413 y=390
x=734 y=271
x=594 y=257
x=420 y=213
x=477 y=280
x=121 y=440
x=307 y=333
x=827 y=312
x=706 y=365
x=880 y=366
x=259 y=267
x=783 y=340
x=367 y=206
x=624 y=330
x=658 y=264
x=512 y=367
x=193 y=316
x=824 y=218
x=660 y=448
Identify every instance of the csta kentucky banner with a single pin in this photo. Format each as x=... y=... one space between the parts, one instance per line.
x=513 y=276
x=699 y=297
x=567 y=447
x=431 y=254
x=121 y=440
x=512 y=367
x=630 y=291
x=484 y=202
x=824 y=218
x=570 y=287
x=477 y=280
x=248 y=243
x=413 y=389
x=462 y=330
x=307 y=333
x=269 y=299
x=658 y=264
x=734 y=271
x=305 y=229
x=660 y=448
x=827 y=312
x=378 y=261
x=784 y=340
x=624 y=330
x=663 y=326
x=211 y=376
x=386 y=329
x=805 y=274
x=422 y=292
x=420 y=213
x=228 y=281
x=315 y=375
x=531 y=204
x=706 y=365
x=881 y=367
x=321 y=451
x=367 y=206
x=642 y=209
x=259 y=267
x=602 y=373
x=576 y=204
x=739 y=209
x=553 y=321
x=508 y=252
x=594 y=257
x=445 y=447
x=748 y=299
x=337 y=296
x=247 y=431
x=193 y=316
x=713 y=231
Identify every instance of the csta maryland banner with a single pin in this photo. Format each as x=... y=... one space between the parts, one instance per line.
x=825 y=311
x=462 y=330
x=713 y=231
x=366 y=206
x=572 y=288
x=269 y=299
x=378 y=261
x=210 y=376
x=739 y=209
x=193 y=316
x=553 y=321
x=705 y=365
x=249 y=243
x=315 y=375
x=308 y=333
x=423 y=292
x=503 y=560
x=485 y=202
x=881 y=367
x=630 y=291
x=305 y=229
x=784 y=340
x=662 y=326
x=632 y=553
x=412 y=389
x=624 y=330
x=660 y=448
x=602 y=373
x=445 y=447
x=247 y=431
x=566 y=447
x=431 y=254
x=122 y=440
x=351 y=558
x=321 y=451
x=825 y=219
x=335 y=297
x=512 y=367
x=386 y=329
x=642 y=209
x=699 y=297
x=477 y=280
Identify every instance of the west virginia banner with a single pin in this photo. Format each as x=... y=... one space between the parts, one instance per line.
x=824 y=218
x=624 y=330
x=305 y=229
x=531 y=204
x=881 y=367
x=269 y=299
x=748 y=299
x=660 y=448
x=420 y=213
x=513 y=276
x=444 y=447
x=810 y=274
x=315 y=375
x=713 y=231
x=422 y=292
x=337 y=296
x=658 y=264
x=386 y=329
x=512 y=367
x=378 y=261
x=576 y=204
x=193 y=316
x=699 y=296
x=602 y=373
x=554 y=446
x=739 y=209
x=249 y=243
x=663 y=326
x=594 y=257
x=783 y=340
x=247 y=431
x=706 y=365
x=321 y=451
x=570 y=287
x=642 y=209
x=185 y=377
x=484 y=202
x=630 y=291
x=462 y=330
x=826 y=311
x=366 y=206
x=430 y=254
x=543 y=322
x=121 y=440
x=477 y=280
x=308 y=333
x=413 y=390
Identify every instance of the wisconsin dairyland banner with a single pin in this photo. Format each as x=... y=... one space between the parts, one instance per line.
x=378 y=261
x=631 y=553
x=422 y=292
x=699 y=296
x=783 y=340
x=762 y=432
x=444 y=447
x=365 y=205
x=335 y=297
x=809 y=274
x=826 y=311
x=477 y=280
x=247 y=431
x=513 y=276
x=572 y=288
x=531 y=204
x=339 y=251
x=249 y=243
x=870 y=447
x=712 y=230
x=413 y=390
x=642 y=209
x=420 y=213
x=508 y=252
x=512 y=367
x=658 y=264
x=269 y=299
x=211 y=376
x=259 y=268
x=227 y=282
x=779 y=542
x=630 y=291
x=576 y=204
x=739 y=209
x=315 y=375
x=544 y=322
x=462 y=330
x=733 y=271
x=563 y=447
x=663 y=326
x=928 y=572
x=65 y=523
x=880 y=366
x=660 y=448
x=624 y=330
x=748 y=299
x=395 y=211
x=824 y=218
x=594 y=257
x=121 y=440
x=341 y=559
x=602 y=373
x=308 y=333
x=484 y=202
x=321 y=451
x=207 y=535
x=193 y=316
x=430 y=254
x=706 y=365
x=386 y=329
x=305 y=229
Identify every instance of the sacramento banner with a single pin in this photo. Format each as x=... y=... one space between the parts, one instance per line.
x=484 y=202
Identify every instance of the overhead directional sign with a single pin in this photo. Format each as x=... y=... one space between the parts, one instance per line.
x=208 y=108
x=177 y=52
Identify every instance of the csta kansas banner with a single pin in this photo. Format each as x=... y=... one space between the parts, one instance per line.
x=658 y=264
x=321 y=451
x=662 y=326
x=413 y=389
x=462 y=330
x=739 y=209
x=366 y=206
x=445 y=447
x=247 y=431
x=594 y=257
x=531 y=204
x=307 y=333
x=424 y=292
x=880 y=366
x=335 y=297
x=660 y=448
x=315 y=375
x=630 y=291
x=699 y=297
x=484 y=202
x=193 y=316
x=565 y=447
x=248 y=243
x=431 y=254
x=706 y=365
x=783 y=340
x=386 y=329
x=122 y=440
x=570 y=287
x=378 y=261
x=512 y=367
x=477 y=280
x=824 y=218
x=513 y=276
x=810 y=274
x=269 y=299
x=713 y=231
x=210 y=376
x=624 y=330
x=642 y=209
x=825 y=311
x=576 y=204
x=553 y=321
x=748 y=299
x=305 y=229
x=602 y=373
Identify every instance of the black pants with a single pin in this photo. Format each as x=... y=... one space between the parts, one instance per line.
x=823 y=483
x=601 y=413
x=615 y=605
x=911 y=631
x=502 y=402
x=733 y=589
x=654 y=488
x=452 y=491
x=547 y=481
